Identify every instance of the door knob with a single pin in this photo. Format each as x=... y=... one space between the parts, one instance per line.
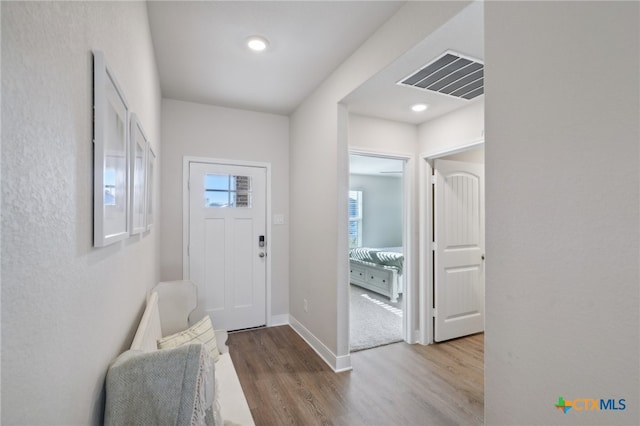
x=262 y=254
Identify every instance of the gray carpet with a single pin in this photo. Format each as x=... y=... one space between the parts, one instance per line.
x=374 y=321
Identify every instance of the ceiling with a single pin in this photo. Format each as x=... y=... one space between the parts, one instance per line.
x=202 y=58
x=201 y=53
x=382 y=97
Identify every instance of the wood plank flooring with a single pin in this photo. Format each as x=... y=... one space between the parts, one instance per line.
x=286 y=383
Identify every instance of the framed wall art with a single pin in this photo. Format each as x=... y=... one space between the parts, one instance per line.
x=151 y=165
x=138 y=168
x=111 y=156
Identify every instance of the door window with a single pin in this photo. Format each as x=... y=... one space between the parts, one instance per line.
x=222 y=191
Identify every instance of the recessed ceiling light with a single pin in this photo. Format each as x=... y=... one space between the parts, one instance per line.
x=419 y=107
x=257 y=43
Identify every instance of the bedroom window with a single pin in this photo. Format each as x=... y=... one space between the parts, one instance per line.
x=227 y=191
x=355 y=219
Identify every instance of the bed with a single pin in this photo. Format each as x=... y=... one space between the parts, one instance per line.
x=378 y=270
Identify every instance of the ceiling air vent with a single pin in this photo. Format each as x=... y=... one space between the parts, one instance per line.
x=450 y=74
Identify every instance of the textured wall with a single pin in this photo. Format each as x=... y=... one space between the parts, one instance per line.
x=197 y=130
x=562 y=209
x=67 y=309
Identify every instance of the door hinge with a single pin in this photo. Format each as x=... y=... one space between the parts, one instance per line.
x=434 y=312
x=433 y=179
x=433 y=245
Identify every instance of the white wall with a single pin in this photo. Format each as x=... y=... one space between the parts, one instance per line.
x=473 y=155
x=381 y=209
x=562 y=184
x=67 y=309
x=190 y=129
x=319 y=177
x=377 y=135
x=455 y=129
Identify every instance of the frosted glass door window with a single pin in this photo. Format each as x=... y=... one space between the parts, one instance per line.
x=227 y=191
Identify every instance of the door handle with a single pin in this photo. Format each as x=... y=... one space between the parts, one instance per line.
x=262 y=254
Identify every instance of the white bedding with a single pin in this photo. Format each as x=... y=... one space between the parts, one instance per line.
x=393 y=249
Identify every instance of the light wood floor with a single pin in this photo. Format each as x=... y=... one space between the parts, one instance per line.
x=286 y=383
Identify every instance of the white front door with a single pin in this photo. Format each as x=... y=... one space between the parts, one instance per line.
x=227 y=243
x=459 y=253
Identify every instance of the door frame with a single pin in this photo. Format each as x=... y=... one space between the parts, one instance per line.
x=409 y=282
x=425 y=264
x=186 y=162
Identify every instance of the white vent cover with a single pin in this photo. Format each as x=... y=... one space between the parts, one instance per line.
x=450 y=74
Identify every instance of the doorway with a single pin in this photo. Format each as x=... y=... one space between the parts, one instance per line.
x=455 y=268
x=227 y=242
x=377 y=248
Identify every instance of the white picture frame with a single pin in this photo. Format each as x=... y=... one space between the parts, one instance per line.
x=151 y=170
x=138 y=171
x=111 y=156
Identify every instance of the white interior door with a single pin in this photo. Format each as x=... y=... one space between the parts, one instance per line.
x=227 y=243
x=459 y=252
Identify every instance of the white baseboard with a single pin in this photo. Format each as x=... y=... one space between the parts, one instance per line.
x=337 y=363
x=277 y=320
x=343 y=363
